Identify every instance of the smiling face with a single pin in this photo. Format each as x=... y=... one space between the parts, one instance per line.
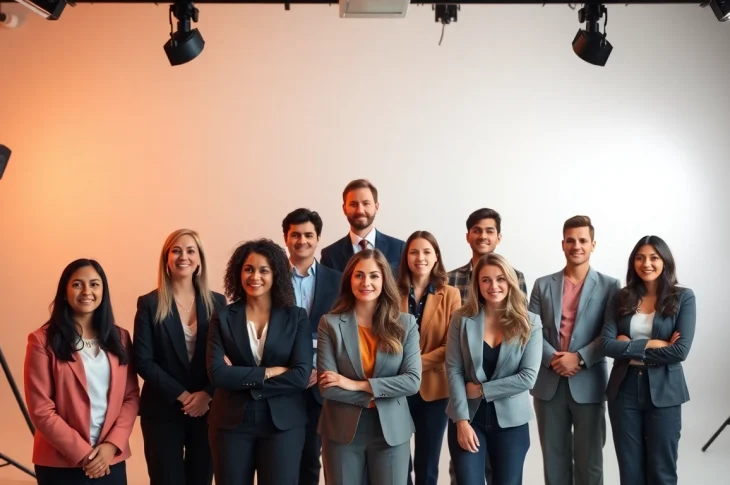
x=84 y=291
x=367 y=281
x=421 y=257
x=493 y=286
x=648 y=264
x=301 y=240
x=183 y=257
x=578 y=245
x=257 y=277
x=360 y=208
x=483 y=237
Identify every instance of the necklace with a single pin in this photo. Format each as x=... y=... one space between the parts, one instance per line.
x=90 y=342
x=186 y=310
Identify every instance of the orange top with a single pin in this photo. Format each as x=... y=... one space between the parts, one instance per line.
x=368 y=350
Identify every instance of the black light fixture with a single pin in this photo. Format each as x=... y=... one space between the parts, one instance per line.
x=48 y=9
x=4 y=158
x=590 y=44
x=185 y=44
x=721 y=8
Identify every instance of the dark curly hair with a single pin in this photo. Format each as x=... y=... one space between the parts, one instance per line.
x=668 y=289
x=282 y=291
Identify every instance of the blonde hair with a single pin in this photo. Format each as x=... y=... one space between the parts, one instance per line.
x=513 y=318
x=164 y=282
x=386 y=320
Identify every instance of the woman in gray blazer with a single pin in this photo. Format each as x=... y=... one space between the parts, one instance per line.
x=368 y=361
x=648 y=331
x=493 y=355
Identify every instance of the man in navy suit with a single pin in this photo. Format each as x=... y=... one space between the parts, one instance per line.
x=360 y=204
x=315 y=287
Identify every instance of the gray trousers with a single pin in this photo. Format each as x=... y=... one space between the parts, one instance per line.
x=346 y=464
x=572 y=437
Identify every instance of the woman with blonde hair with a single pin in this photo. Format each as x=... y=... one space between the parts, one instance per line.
x=368 y=361
x=425 y=295
x=492 y=357
x=170 y=333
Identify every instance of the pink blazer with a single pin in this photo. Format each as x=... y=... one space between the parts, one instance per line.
x=59 y=405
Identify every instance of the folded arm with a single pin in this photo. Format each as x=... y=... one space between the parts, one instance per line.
x=408 y=380
x=233 y=377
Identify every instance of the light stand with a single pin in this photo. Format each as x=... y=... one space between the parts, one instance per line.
x=23 y=409
x=717 y=433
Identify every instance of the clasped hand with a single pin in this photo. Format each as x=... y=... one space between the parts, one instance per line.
x=333 y=379
x=567 y=364
x=653 y=343
x=97 y=464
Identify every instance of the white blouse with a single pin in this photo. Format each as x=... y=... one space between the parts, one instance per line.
x=98 y=376
x=641 y=325
x=191 y=332
x=257 y=344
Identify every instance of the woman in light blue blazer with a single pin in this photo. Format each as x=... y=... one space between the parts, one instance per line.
x=368 y=362
x=493 y=355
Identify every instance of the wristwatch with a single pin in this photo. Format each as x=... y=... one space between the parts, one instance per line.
x=581 y=362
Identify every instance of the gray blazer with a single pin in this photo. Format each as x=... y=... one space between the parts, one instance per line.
x=514 y=375
x=667 y=385
x=588 y=385
x=395 y=376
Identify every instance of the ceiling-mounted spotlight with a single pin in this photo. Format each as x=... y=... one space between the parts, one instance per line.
x=48 y=9
x=185 y=44
x=721 y=9
x=590 y=44
x=9 y=20
x=4 y=157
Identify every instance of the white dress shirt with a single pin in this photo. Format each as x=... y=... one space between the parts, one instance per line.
x=355 y=239
x=98 y=376
x=257 y=344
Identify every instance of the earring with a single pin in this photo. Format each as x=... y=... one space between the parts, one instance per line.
x=167 y=270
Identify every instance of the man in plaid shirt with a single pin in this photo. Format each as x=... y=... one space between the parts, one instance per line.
x=484 y=232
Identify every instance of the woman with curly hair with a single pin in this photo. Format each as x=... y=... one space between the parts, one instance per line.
x=369 y=362
x=493 y=353
x=259 y=360
x=648 y=331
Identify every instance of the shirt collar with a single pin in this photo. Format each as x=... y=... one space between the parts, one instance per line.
x=310 y=272
x=355 y=239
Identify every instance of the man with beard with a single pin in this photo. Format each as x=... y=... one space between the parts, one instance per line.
x=483 y=233
x=315 y=288
x=569 y=392
x=360 y=204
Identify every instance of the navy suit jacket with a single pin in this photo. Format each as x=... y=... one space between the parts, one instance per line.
x=337 y=254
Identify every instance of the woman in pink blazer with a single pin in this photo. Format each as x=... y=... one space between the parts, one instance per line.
x=82 y=394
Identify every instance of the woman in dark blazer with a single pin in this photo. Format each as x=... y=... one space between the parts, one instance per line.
x=170 y=334
x=425 y=295
x=368 y=362
x=81 y=390
x=259 y=360
x=648 y=331
x=493 y=355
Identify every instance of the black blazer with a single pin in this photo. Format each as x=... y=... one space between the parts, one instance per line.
x=161 y=358
x=288 y=344
x=326 y=290
x=337 y=254
x=664 y=365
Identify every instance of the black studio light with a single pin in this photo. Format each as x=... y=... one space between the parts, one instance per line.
x=590 y=44
x=184 y=44
x=721 y=9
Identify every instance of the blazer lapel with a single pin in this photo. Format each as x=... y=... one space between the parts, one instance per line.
x=77 y=366
x=432 y=303
x=657 y=325
x=277 y=325
x=114 y=382
x=351 y=340
x=346 y=250
x=475 y=340
x=505 y=351
x=556 y=292
x=381 y=243
x=200 y=339
x=586 y=293
x=173 y=327
x=238 y=327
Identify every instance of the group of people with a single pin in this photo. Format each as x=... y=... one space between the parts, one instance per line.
x=307 y=366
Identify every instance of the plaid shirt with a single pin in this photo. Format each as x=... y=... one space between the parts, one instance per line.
x=460 y=278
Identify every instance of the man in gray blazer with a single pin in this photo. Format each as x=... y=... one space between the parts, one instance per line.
x=569 y=394
x=350 y=428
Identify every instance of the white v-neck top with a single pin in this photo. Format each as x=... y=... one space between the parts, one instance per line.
x=98 y=377
x=257 y=344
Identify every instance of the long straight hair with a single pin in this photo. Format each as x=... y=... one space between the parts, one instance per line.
x=668 y=289
x=164 y=281
x=438 y=277
x=62 y=332
x=513 y=318
x=386 y=320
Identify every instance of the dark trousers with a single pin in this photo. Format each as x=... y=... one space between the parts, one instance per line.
x=256 y=446
x=429 y=418
x=310 y=466
x=176 y=449
x=47 y=475
x=646 y=437
x=505 y=448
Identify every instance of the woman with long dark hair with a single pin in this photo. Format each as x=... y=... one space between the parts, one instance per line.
x=425 y=295
x=170 y=335
x=368 y=362
x=81 y=391
x=648 y=331
x=493 y=355
x=259 y=360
